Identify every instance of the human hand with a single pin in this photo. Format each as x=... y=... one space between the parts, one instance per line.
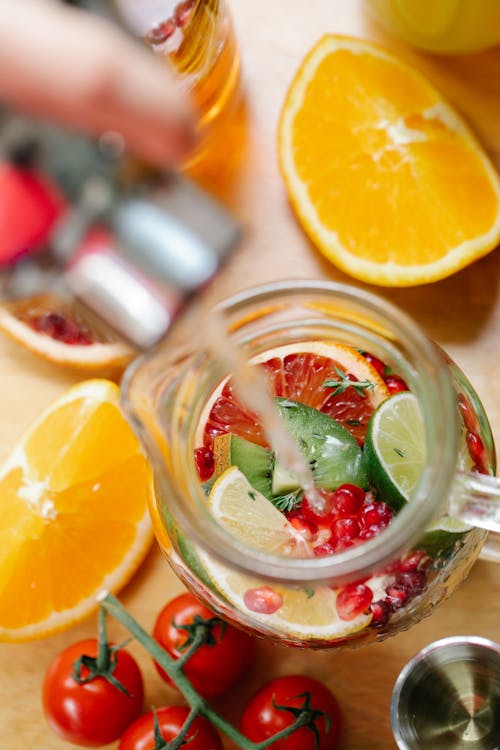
x=81 y=71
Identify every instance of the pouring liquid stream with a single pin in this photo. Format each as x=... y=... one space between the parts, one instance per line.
x=252 y=389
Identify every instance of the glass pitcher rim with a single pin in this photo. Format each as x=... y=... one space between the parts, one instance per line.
x=439 y=407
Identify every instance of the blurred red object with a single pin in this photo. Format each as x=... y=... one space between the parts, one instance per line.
x=29 y=207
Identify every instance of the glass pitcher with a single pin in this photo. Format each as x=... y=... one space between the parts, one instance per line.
x=368 y=590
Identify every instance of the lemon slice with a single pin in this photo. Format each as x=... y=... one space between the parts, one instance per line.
x=308 y=614
x=252 y=519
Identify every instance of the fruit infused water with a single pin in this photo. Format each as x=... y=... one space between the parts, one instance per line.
x=382 y=426
x=359 y=428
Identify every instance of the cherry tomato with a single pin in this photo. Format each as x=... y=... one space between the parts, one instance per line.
x=96 y=712
x=214 y=668
x=262 y=716
x=200 y=735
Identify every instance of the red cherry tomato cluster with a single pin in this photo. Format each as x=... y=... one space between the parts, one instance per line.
x=91 y=708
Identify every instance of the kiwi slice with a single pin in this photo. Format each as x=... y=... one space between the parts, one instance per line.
x=254 y=461
x=333 y=454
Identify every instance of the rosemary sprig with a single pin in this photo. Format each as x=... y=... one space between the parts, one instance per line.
x=286 y=503
x=343 y=383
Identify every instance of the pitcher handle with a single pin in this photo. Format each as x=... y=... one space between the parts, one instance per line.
x=475 y=500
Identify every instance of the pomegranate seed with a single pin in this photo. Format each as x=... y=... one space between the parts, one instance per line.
x=324 y=518
x=345 y=529
x=479 y=469
x=390 y=568
x=264 y=600
x=468 y=415
x=417 y=560
x=476 y=447
x=413 y=581
x=183 y=13
x=324 y=549
x=366 y=534
x=380 y=611
x=353 y=600
x=376 y=514
x=396 y=597
x=303 y=526
x=342 y=544
x=347 y=500
x=375 y=362
x=61 y=328
x=395 y=384
x=204 y=460
x=161 y=33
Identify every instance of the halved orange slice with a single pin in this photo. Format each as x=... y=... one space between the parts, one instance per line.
x=384 y=176
x=73 y=503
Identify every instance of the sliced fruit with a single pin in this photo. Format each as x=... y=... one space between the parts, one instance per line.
x=74 y=495
x=383 y=174
x=283 y=481
x=298 y=371
x=308 y=614
x=333 y=454
x=254 y=461
x=441 y=537
x=63 y=331
x=252 y=518
x=395 y=448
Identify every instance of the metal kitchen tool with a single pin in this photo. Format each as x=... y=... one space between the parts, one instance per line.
x=448 y=697
x=134 y=245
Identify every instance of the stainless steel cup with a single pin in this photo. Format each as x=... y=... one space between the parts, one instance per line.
x=448 y=697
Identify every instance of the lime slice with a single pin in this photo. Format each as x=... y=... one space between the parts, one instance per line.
x=308 y=614
x=395 y=456
x=395 y=448
x=441 y=537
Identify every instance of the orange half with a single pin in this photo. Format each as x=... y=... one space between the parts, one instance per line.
x=384 y=176
x=73 y=503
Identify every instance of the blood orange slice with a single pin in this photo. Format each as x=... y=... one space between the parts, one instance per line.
x=63 y=331
x=299 y=371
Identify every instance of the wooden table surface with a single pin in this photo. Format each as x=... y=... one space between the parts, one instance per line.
x=462 y=313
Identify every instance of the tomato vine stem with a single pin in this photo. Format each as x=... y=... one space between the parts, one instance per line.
x=174 y=669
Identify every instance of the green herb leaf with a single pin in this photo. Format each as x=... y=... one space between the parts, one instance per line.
x=286 y=503
x=343 y=383
x=400 y=452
